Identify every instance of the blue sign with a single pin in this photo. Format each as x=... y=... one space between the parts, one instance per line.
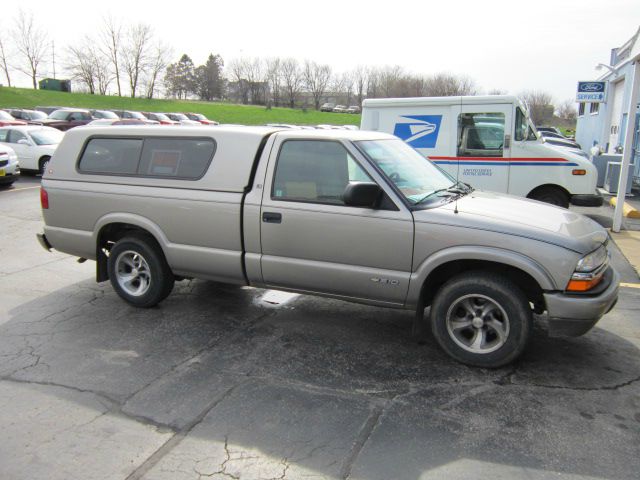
x=422 y=132
x=593 y=92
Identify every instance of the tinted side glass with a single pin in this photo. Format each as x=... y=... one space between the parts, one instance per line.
x=111 y=155
x=4 y=134
x=15 y=135
x=314 y=171
x=186 y=158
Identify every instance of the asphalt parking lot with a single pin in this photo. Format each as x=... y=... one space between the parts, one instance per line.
x=227 y=382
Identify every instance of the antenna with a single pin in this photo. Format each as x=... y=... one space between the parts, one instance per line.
x=455 y=207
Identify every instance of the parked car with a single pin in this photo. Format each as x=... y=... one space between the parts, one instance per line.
x=106 y=114
x=131 y=115
x=339 y=109
x=33 y=144
x=117 y=121
x=7 y=119
x=182 y=119
x=550 y=129
x=198 y=117
x=353 y=109
x=67 y=119
x=32 y=117
x=9 y=166
x=161 y=118
x=327 y=107
x=50 y=110
x=354 y=215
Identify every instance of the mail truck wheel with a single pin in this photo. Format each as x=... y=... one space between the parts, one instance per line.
x=139 y=272
x=481 y=319
x=552 y=195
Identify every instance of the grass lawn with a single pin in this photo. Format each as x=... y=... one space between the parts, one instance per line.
x=221 y=112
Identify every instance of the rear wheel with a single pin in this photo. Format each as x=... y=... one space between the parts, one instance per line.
x=139 y=272
x=552 y=195
x=42 y=164
x=481 y=319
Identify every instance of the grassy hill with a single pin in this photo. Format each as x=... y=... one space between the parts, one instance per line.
x=221 y=112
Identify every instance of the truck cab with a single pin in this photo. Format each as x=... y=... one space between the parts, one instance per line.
x=488 y=142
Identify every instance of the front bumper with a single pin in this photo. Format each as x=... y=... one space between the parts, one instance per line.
x=575 y=314
x=592 y=200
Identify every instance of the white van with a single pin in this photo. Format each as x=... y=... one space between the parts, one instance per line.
x=488 y=142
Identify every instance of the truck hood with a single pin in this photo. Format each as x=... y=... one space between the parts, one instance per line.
x=519 y=216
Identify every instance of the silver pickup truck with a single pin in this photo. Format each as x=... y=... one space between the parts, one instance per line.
x=358 y=216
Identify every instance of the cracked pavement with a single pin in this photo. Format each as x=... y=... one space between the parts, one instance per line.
x=226 y=382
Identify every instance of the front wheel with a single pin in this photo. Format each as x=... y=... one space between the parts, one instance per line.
x=139 y=272
x=552 y=195
x=481 y=319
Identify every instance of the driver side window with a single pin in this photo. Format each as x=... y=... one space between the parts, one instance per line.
x=481 y=134
x=15 y=135
x=314 y=171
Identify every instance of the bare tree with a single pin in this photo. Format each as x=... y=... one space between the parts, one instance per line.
x=136 y=54
x=81 y=64
x=291 y=79
x=32 y=44
x=567 y=110
x=360 y=76
x=111 y=40
x=316 y=77
x=238 y=68
x=4 y=56
x=256 y=75
x=159 y=61
x=448 y=85
x=345 y=84
x=389 y=77
x=540 y=105
x=274 y=75
x=497 y=91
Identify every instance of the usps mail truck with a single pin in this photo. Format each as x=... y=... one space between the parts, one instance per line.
x=488 y=142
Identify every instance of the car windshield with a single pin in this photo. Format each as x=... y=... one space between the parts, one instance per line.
x=179 y=116
x=46 y=136
x=416 y=177
x=35 y=115
x=161 y=116
x=197 y=116
x=5 y=116
x=106 y=114
x=59 y=115
x=137 y=115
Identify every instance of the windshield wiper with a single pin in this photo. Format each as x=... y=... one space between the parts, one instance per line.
x=454 y=189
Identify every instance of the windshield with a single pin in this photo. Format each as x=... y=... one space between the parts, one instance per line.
x=35 y=115
x=197 y=116
x=5 y=116
x=161 y=116
x=59 y=115
x=46 y=136
x=106 y=114
x=415 y=176
x=178 y=116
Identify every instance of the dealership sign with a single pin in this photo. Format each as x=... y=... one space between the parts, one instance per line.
x=593 y=92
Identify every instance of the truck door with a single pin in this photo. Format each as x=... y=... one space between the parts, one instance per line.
x=312 y=242
x=483 y=147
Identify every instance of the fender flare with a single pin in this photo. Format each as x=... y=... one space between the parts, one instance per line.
x=473 y=252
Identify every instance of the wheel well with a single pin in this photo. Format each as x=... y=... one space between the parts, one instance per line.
x=548 y=186
x=109 y=235
x=440 y=275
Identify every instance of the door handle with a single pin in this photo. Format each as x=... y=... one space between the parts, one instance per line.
x=271 y=217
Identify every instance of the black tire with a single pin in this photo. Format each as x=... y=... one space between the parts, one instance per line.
x=153 y=271
x=42 y=164
x=552 y=195
x=449 y=313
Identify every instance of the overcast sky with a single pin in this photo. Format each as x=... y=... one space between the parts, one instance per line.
x=509 y=45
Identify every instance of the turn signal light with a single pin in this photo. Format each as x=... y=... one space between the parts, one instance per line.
x=583 y=285
x=577 y=171
x=44 y=198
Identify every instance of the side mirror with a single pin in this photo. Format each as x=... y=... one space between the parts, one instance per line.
x=361 y=194
x=24 y=141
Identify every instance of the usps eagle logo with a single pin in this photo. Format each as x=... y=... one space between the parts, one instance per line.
x=421 y=132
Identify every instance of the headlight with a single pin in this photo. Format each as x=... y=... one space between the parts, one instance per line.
x=589 y=271
x=590 y=262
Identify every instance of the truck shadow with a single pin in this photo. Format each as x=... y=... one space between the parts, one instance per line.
x=327 y=388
